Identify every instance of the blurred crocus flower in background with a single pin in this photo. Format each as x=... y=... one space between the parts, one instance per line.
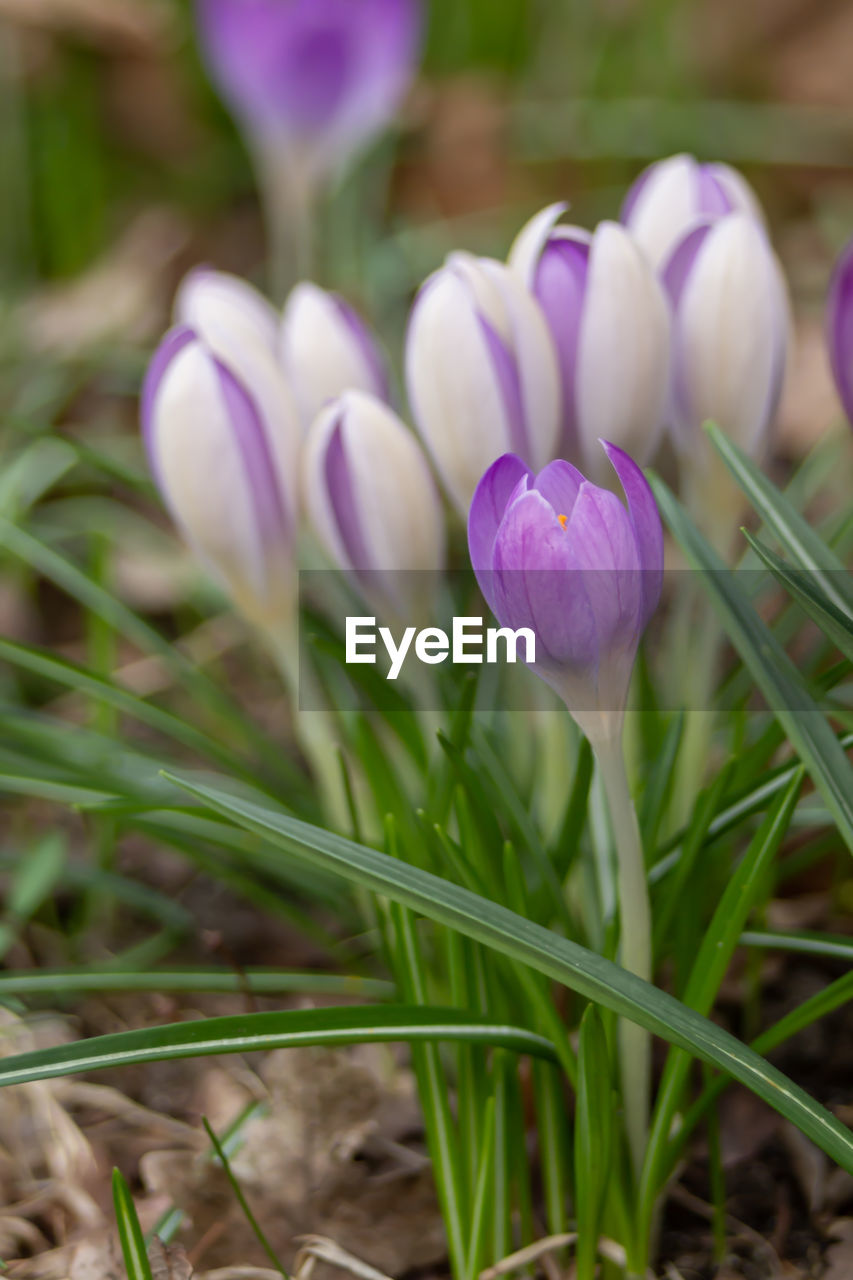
x=481 y=372
x=556 y=553
x=372 y=502
x=222 y=442
x=321 y=77
x=731 y=319
x=226 y=311
x=326 y=349
x=669 y=197
x=610 y=323
x=312 y=83
x=840 y=328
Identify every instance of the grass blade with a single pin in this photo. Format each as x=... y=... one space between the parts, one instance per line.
x=827 y=945
x=241 y=1199
x=807 y=728
x=75 y=982
x=129 y=1231
x=805 y=547
x=590 y=974
x=835 y=624
x=261 y=1031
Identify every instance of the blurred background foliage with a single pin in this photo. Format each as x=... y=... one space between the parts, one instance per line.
x=121 y=170
x=106 y=110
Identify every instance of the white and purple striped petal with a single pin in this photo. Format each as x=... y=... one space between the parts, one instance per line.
x=481 y=372
x=326 y=349
x=730 y=332
x=225 y=311
x=222 y=452
x=670 y=196
x=371 y=499
x=609 y=321
x=840 y=328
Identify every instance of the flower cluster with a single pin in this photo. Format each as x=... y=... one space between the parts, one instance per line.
x=253 y=419
x=257 y=421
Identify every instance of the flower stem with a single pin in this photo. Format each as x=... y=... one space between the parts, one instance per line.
x=314 y=730
x=636 y=937
x=289 y=204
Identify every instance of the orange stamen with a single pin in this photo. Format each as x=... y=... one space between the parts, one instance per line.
x=564 y=520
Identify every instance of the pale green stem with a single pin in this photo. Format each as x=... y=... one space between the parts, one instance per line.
x=636 y=936
x=700 y=678
x=716 y=505
x=314 y=729
x=289 y=198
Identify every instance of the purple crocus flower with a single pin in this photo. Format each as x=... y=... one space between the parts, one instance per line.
x=609 y=320
x=222 y=441
x=558 y=555
x=840 y=328
x=669 y=197
x=318 y=76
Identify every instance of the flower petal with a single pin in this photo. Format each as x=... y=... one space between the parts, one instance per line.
x=488 y=507
x=840 y=328
x=646 y=523
x=536 y=584
x=325 y=349
x=173 y=343
x=560 y=483
x=605 y=549
x=530 y=243
x=623 y=358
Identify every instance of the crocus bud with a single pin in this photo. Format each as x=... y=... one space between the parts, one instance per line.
x=840 y=328
x=318 y=77
x=554 y=553
x=481 y=372
x=372 y=501
x=327 y=349
x=609 y=320
x=730 y=335
x=226 y=311
x=669 y=197
x=223 y=450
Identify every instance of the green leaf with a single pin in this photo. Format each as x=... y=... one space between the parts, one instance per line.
x=34 y=471
x=129 y=1231
x=805 y=547
x=433 y=1091
x=753 y=799
x=709 y=968
x=836 y=625
x=47 y=666
x=828 y=945
x=92 y=596
x=593 y=1137
x=589 y=974
x=33 y=882
x=36 y=876
x=820 y=1005
x=277 y=1030
x=808 y=729
x=248 y=1214
x=76 y=982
